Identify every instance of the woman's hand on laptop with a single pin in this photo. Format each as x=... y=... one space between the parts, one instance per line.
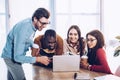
x=43 y=59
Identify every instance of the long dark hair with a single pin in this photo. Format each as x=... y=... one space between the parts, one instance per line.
x=100 y=44
x=81 y=46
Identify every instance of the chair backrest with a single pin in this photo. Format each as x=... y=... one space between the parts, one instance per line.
x=117 y=73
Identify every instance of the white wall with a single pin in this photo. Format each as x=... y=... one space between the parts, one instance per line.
x=21 y=9
x=111 y=18
x=111 y=24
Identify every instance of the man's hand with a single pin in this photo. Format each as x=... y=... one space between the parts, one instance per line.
x=35 y=51
x=43 y=59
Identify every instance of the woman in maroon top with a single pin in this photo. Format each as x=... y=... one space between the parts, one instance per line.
x=96 y=54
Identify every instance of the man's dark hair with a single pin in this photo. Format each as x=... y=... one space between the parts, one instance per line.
x=41 y=12
x=50 y=33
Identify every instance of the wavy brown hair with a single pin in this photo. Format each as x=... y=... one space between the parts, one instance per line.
x=81 y=47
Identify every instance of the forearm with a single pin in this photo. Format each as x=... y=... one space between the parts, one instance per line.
x=100 y=68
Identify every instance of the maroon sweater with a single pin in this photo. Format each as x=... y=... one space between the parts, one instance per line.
x=101 y=64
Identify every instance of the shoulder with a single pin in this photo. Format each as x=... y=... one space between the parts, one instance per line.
x=24 y=25
x=25 y=22
x=38 y=38
x=59 y=37
x=101 y=52
x=65 y=41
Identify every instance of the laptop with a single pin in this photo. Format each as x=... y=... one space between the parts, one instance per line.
x=66 y=63
x=107 y=77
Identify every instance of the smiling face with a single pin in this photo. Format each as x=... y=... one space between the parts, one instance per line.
x=73 y=36
x=41 y=23
x=91 y=41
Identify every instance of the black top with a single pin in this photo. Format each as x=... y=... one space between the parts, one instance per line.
x=43 y=53
x=50 y=55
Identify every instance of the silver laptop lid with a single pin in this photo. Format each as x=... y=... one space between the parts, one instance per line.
x=66 y=63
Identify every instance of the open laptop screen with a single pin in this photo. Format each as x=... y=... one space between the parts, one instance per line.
x=66 y=63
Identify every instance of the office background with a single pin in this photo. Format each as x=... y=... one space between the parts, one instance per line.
x=87 y=14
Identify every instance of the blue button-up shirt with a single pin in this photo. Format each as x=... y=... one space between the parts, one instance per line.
x=19 y=39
